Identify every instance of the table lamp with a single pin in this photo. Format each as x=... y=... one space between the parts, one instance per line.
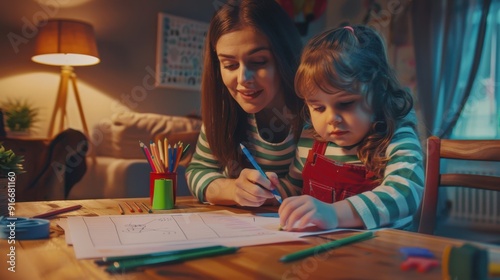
x=66 y=43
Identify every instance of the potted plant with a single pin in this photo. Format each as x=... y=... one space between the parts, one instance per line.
x=10 y=166
x=20 y=116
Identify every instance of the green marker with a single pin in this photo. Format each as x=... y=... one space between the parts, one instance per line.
x=125 y=265
x=110 y=260
x=325 y=247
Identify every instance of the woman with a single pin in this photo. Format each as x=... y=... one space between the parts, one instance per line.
x=251 y=54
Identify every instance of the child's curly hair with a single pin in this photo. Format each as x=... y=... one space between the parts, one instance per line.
x=354 y=60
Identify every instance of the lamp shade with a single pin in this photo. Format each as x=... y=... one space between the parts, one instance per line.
x=66 y=42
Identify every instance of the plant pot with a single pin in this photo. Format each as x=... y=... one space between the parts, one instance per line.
x=18 y=134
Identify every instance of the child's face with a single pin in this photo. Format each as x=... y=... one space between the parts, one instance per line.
x=342 y=117
x=249 y=70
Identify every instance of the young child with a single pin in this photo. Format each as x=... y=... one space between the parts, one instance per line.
x=360 y=164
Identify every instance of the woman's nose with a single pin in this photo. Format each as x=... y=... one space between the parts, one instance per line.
x=246 y=75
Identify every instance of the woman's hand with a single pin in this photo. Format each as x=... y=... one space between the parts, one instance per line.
x=252 y=189
x=299 y=212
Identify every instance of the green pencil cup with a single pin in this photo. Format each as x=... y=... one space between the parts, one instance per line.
x=155 y=176
x=163 y=197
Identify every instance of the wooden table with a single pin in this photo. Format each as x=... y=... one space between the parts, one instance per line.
x=377 y=258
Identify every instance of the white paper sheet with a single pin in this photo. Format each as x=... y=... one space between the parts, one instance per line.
x=123 y=235
x=119 y=235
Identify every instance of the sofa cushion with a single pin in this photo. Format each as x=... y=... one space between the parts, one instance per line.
x=120 y=136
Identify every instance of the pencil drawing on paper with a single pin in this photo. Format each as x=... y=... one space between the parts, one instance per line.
x=157 y=225
x=164 y=228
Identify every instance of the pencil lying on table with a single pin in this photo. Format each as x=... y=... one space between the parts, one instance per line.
x=146 y=207
x=58 y=211
x=138 y=207
x=129 y=264
x=129 y=207
x=327 y=246
x=120 y=208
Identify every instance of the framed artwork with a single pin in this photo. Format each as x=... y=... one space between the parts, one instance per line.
x=180 y=43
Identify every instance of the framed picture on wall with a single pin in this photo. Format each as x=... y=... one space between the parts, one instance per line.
x=180 y=43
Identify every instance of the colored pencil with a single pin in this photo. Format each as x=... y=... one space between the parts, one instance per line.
x=184 y=151
x=58 y=211
x=160 y=152
x=120 y=208
x=129 y=207
x=129 y=264
x=138 y=207
x=146 y=207
x=327 y=246
x=256 y=166
x=110 y=260
x=148 y=157
x=167 y=158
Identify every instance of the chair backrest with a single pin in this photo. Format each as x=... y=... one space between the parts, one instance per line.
x=437 y=149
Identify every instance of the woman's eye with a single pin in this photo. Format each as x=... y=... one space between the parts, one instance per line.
x=262 y=62
x=231 y=66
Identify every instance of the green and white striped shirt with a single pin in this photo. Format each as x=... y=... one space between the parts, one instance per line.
x=399 y=194
x=272 y=157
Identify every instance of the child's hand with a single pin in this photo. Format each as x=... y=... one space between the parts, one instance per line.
x=252 y=189
x=298 y=212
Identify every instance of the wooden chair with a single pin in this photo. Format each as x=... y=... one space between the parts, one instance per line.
x=437 y=149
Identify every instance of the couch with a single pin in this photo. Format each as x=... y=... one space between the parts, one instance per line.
x=116 y=166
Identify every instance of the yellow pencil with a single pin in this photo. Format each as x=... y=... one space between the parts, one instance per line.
x=165 y=146
x=160 y=151
x=156 y=160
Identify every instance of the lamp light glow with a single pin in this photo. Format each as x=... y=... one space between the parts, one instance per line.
x=66 y=43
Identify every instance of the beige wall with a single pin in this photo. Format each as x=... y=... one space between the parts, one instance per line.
x=126 y=40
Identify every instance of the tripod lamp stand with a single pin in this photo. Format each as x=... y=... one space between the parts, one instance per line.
x=66 y=43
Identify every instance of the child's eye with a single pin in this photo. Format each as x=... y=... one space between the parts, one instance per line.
x=346 y=104
x=318 y=108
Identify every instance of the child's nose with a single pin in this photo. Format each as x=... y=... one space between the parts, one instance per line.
x=334 y=118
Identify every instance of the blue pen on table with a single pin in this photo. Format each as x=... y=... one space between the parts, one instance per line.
x=256 y=166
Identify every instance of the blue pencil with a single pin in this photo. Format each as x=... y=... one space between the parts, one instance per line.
x=256 y=166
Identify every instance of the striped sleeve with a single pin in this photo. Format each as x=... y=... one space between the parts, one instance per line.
x=272 y=157
x=203 y=168
x=399 y=194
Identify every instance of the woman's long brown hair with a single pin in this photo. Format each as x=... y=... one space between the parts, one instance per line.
x=224 y=120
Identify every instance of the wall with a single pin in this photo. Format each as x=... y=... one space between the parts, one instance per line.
x=126 y=39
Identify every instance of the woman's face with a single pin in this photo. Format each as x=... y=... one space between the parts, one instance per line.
x=249 y=70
